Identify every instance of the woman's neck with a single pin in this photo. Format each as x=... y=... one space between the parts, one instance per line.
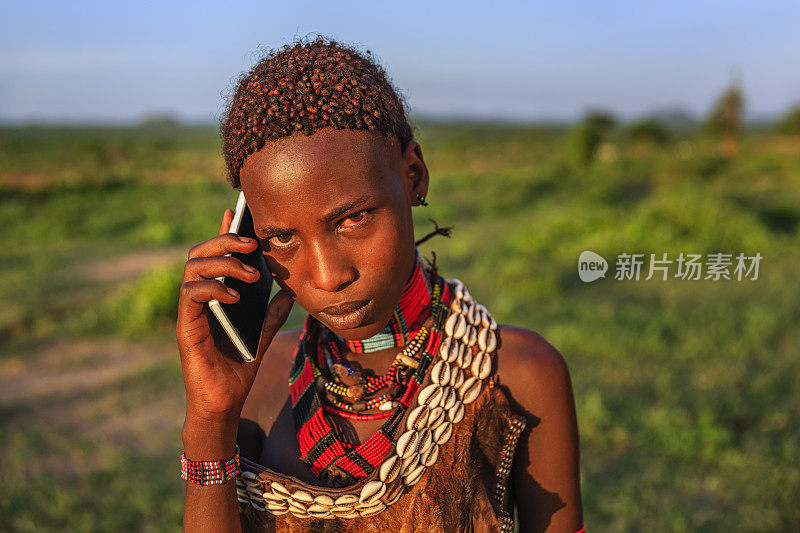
x=412 y=310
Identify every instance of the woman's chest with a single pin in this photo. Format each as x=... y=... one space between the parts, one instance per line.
x=457 y=492
x=280 y=450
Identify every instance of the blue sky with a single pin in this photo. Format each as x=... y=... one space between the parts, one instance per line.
x=115 y=61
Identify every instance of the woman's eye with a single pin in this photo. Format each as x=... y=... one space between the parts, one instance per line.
x=354 y=219
x=281 y=238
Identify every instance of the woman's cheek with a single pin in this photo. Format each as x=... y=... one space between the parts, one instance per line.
x=385 y=238
x=278 y=268
x=384 y=250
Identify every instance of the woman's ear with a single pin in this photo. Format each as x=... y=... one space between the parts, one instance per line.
x=416 y=172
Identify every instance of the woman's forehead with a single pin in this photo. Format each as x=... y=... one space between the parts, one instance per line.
x=313 y=170
x=328 y=150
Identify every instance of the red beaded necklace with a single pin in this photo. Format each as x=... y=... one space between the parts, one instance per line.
x=328 y=457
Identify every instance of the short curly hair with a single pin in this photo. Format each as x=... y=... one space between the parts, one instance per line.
x=304 y=87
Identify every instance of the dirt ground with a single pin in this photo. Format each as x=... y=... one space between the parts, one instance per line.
x=88 y=389
x=108 y=391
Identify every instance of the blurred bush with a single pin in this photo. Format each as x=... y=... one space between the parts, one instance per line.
x=790 y=123
x=647 y=130
x=581 y=144
x=147 y=306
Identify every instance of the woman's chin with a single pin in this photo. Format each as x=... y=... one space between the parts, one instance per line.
x=358 y=325
x=359 y=333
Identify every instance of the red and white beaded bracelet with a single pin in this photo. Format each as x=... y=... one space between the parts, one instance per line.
x=210 y=472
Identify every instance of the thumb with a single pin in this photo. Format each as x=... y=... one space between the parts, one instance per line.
x=277 y=313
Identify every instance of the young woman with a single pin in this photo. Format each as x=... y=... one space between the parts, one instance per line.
x=401 y=405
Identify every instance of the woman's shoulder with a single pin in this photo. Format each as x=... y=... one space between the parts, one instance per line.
x=532 y=370
x=268 y=394
x=279 y=356
x=284 y=344
x=273 y=373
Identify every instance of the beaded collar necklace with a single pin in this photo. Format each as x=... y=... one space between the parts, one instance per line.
x=425 y=299
x=350 y=392
x=464 y=351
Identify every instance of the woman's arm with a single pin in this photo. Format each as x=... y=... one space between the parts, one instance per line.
x=210 y=507
x=216 y=380
x=546 y=469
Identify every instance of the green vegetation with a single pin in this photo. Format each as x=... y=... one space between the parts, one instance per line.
x=790 y=123
x=648 y=130
x=725 y=120
x=685 y=390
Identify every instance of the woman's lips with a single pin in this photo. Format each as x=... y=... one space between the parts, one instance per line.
x=348 y=320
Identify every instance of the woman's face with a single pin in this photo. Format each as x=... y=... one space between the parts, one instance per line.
x=333 y=213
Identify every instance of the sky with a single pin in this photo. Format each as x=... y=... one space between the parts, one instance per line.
x=87 y=61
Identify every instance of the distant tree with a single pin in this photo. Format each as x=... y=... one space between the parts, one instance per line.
x=586 y=135
x=790 y=123
x=677 y=119
x=581 y=144
x=603 y=121
x=158 y=119
x=648 y=130
x=725 y=120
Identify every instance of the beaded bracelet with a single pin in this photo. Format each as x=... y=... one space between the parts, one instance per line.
x=210 y=472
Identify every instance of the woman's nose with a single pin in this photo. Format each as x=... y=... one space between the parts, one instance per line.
x=331 y=270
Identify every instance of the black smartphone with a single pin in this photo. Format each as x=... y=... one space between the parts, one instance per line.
x=243 y=319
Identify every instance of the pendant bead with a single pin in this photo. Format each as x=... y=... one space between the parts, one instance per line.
x=388 y=406
x=408 y=360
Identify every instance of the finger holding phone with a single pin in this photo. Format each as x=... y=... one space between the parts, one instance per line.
x=216 y=377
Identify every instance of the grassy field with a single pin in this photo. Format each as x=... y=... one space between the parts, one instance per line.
x=686 y=390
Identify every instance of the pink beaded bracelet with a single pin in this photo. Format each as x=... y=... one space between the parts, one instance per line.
x=210 y=472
